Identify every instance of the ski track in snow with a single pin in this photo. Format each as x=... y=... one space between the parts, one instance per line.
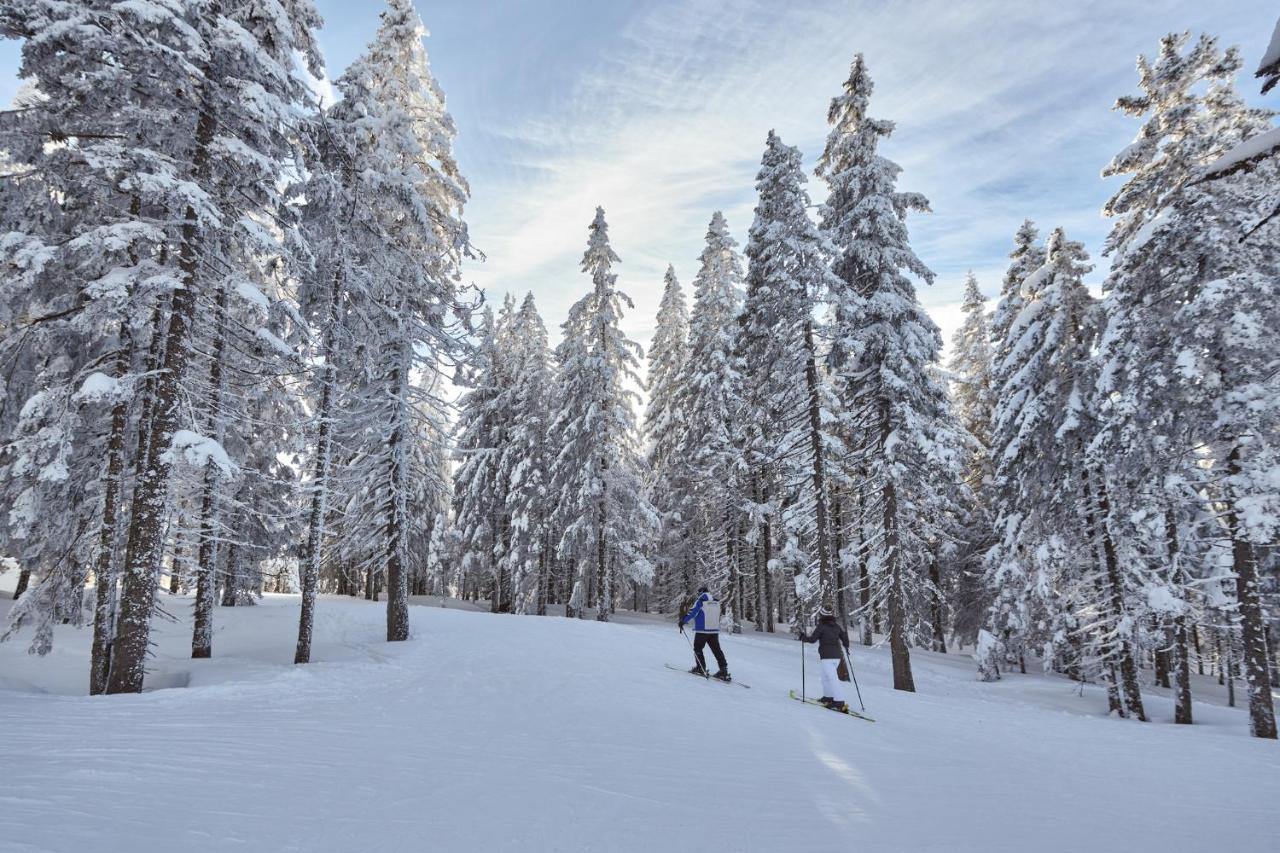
x=499 y=733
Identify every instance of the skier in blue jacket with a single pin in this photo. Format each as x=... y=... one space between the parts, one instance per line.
x=705 y=616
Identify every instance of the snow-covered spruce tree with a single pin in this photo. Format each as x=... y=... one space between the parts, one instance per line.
x=709 y=402
x=479 y=493
x=884 y=350
x=1260 y=147
x=524 y=462
x=1008 y=615
x=665 y=430
x=239 y=373
x=597 y=473
x=174 y=169
x=785 y=437
x=971 y=366
x=1189 y=404
x=262 y=394
x=77 y=245
x=410 y=237
x=973 y=396
x=1027 y=257
x=1052 y=505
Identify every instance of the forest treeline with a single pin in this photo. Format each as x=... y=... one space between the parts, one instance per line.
x=232 y=319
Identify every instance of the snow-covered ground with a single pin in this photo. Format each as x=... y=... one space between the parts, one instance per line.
x=495 y=733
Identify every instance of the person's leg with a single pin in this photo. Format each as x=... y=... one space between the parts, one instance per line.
x=829 y=679
x=699 y=640
x=837 y=686
x=714 y=640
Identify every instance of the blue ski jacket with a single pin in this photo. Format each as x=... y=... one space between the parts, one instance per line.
x=705 y=615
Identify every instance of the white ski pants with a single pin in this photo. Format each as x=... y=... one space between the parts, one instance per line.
x=831 y=684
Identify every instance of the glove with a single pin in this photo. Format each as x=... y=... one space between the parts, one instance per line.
x=681 y=627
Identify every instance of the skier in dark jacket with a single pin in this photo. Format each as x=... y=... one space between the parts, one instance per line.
x=705 y=616
x=830 y=635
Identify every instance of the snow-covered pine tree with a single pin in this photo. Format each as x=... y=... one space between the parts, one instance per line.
x=604 y=515
x=885 y=348
x=665 y=429
x=479 y=494
x=970 y=364
x=1008 y=615
x=785 y=422
x=1051 y=503
x=1188 y=403
x=524 y=462
x=412 y=319
x=973 y=396
x=1027 y=257
x=184 y=133
x=709 y=401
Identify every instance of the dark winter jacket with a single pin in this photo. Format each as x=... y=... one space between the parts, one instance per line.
x=830 y=635
x=705 y=615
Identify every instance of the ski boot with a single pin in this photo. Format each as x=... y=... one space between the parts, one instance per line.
x=723 y=675
x=825 y=700
x=838 y=706
x=697 y=670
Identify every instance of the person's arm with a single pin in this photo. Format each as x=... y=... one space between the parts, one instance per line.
x=844 y=637
x=692 y=614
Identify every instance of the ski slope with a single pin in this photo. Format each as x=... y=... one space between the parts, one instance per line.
x=496 y=733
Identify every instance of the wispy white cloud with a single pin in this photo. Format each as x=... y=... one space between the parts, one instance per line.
x=1003 y=112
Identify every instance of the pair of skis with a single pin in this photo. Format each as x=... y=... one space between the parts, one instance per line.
x=706 y=677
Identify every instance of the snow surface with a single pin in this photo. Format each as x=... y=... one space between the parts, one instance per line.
x=502 y=733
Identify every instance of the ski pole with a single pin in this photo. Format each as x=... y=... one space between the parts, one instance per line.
x=848 y=661
x=802 y=696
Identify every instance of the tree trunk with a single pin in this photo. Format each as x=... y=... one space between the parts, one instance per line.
x=602 y=565
x=24 y=580
x=1181 y=662
x=207 y=560
x=837 y=554
x=1262 y=714
x=150 y=497
x=104 y=576
x=397 y=588
x=822 y=534
x=938 y=607
x=757 y=554
x=1161 y=658
x=320 y=468
x=864 y=577
x=206 y=577
x=897 y=604
x=1195 y=639
x=1269 y=635
x=766 y=556
x=1229 y=664
x=544 y=581
x=1131 y=692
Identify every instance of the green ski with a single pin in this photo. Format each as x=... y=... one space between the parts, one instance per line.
x=850 y=712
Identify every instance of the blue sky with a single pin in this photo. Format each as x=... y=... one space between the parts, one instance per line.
x=658 y=111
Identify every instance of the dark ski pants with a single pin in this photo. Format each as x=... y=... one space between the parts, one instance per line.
x=712 y=640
